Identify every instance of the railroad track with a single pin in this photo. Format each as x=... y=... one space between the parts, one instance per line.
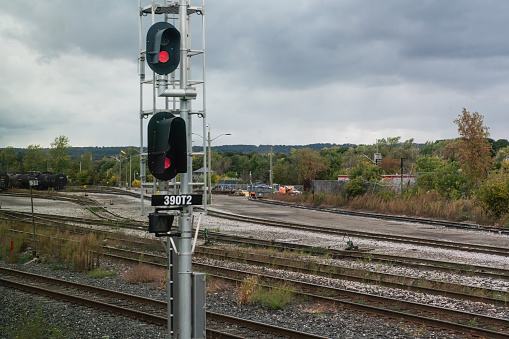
x=449 y=224
x=411 y=262
x=25 y=216
x=491 y=322
x=89 y=204
x=144 y=309
x=439 y=317
x=420 y=285
x=365 y=255
x=501 y=251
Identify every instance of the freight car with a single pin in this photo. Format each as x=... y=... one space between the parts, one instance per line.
x=4 y=181
x=45 y=180
x=20 y=180
x=49 y=180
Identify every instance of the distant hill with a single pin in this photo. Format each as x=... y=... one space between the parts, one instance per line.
x=109 y=151
x=264 y=149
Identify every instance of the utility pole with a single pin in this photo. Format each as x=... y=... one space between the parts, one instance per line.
x=402 y=174
x=270 y=174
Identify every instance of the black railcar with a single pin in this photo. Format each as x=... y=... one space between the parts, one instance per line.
x=45 y=180
x=4 y=181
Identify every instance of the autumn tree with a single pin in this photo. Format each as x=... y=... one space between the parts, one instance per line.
x=390 y=166
x=474 y=151
x=310 y=165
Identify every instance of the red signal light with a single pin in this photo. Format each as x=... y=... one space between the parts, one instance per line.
x=164 y=56
x=167 y=163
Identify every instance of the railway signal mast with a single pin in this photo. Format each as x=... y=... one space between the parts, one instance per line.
x=170 y=154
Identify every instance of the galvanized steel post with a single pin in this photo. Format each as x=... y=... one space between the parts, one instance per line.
x=185 y=270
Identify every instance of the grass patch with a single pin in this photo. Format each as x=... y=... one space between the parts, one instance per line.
x=275 y=297
x=100 y=273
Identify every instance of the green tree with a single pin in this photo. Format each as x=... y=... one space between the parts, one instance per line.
x=59 y=154
x=34 y=159
x=442 y=177
x=502 y=155
x=474 y=147
x=285 y=171
x=366 y=170
x=8 y=159
x=428 y=163
x=334 y=156
x=386 y=147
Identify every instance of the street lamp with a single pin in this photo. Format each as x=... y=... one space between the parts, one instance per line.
x=209 y=169
x=130 y=167
x=208 y=174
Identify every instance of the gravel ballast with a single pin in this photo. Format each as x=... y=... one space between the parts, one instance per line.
x=83 y=322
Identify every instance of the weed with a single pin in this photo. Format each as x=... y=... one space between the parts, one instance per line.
x=58 y=267
x=144 y=273
x=473 y=323
x=100 y=273
x=276 y=297
x=246 y=290
x=26 y=258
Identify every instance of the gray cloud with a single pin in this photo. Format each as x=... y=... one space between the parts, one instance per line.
x=278 y=72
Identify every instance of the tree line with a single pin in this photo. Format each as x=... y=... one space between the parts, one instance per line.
x=454 y=168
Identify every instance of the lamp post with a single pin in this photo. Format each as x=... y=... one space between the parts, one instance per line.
x=130 y=156
x=208 y=173
x=209 y=169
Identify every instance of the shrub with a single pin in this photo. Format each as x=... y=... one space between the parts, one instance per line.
x=355 y=187
x=247 y=290
x=493 y=194
x=145 y=273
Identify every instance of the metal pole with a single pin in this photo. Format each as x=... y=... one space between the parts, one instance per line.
x=402 y=175
x=169 y=288
x=209 y=172
x=34 y=252
x=185 y=270
x=120 y=172
x=143 y=177
x=271 y=170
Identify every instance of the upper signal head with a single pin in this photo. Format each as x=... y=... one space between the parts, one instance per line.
x=163 y=48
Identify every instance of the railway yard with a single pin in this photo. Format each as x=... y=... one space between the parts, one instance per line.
x=352 y=275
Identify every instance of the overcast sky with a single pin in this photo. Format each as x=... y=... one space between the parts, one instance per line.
x=278 y=72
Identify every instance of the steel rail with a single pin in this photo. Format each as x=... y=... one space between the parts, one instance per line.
x=504 y=323
x=225 y=272
x=147 y=317
x=450 y=224
x=501 y=251
x=374 y=278
x=422 y=263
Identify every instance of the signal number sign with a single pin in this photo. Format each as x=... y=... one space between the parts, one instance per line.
x=177 y=200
